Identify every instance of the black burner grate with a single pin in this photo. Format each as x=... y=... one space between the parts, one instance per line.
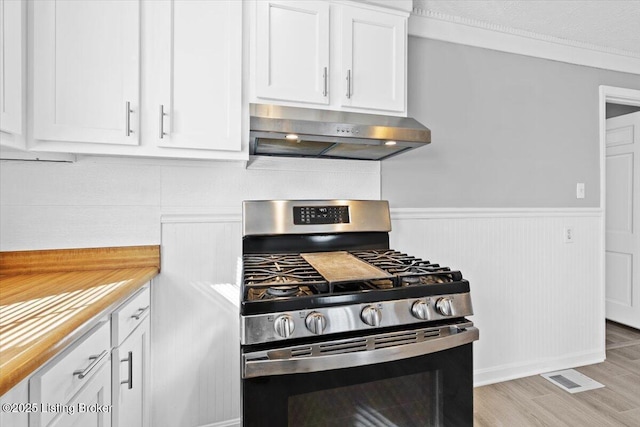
x=408 y=269
x=278 y=276
x=268 y=276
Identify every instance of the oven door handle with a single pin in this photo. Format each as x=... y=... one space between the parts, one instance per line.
x=270 y=367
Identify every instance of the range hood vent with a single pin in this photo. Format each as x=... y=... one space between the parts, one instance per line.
x=304 y=132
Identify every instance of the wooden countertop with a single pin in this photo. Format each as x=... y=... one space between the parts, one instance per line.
x=41 y=313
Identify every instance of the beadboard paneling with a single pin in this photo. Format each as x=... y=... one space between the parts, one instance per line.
x=538 y=302
x=195 y=331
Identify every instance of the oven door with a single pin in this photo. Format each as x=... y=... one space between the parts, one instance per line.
x=406 y=378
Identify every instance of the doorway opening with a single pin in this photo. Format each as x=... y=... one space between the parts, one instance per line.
x=619 y=181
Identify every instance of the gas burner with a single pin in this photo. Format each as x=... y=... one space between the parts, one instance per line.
x=283 y=291
x=278 y=292
x=428 y=279
x=408 y=281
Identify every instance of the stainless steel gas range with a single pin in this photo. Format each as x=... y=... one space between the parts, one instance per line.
x=339 y=329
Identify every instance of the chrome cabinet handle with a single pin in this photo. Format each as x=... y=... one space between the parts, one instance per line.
x=140 y=313
x=162 y=114
x=325 y=91
x=127 y=116
x=97 y=358
x=349 y=84
x=129 y=381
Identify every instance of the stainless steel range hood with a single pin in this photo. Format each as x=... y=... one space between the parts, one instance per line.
x=304 y=132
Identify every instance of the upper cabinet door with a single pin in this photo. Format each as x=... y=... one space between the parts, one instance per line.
x=11 y=71
x=292 y=58
x=198 y=48
x=373 y=59
x=86 y=71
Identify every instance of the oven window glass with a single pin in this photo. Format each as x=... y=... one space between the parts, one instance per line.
x=401 y=401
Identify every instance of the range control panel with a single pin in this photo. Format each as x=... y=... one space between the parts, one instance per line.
x=303 y=215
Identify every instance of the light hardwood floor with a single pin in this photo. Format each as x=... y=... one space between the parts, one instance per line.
x=534 y=401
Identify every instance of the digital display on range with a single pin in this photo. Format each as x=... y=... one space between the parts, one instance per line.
x=303 y=215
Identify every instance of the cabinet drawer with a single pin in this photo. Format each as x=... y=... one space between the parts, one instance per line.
x=126 y=318
x=59 y=380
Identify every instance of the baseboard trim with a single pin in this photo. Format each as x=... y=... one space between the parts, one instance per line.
x=235 y=422
x=513 y=371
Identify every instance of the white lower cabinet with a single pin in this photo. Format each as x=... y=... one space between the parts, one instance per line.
x=15 y=415
x=130 y=373
x=130 y=362
x=91 y=406
x=101 y=379
x=74 y=389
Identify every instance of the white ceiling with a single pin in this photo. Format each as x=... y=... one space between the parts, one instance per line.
x=611 y=25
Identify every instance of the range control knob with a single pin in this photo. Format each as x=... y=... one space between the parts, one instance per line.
x=420 y=310
x=371 y=315
x=284 y=326
x=316 y=322
x=443 y=305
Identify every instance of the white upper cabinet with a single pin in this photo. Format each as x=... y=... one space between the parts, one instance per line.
x=292 y=55
x=197 y=75
x=12 y=27
x=337 y=55
x=86 y=65
x=138 y=78
x=373 y=59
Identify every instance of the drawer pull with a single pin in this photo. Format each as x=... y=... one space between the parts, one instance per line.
x=81 y=373
x=140 y=313
x=129 y=381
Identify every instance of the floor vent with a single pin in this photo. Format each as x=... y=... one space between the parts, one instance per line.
x=572 y=381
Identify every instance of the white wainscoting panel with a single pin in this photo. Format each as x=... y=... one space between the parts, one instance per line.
x=195 y=330
x=538 y=302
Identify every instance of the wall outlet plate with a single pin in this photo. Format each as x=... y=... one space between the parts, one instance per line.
x=569 y=236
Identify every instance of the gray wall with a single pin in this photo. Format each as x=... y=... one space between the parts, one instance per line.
x=507 y=130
